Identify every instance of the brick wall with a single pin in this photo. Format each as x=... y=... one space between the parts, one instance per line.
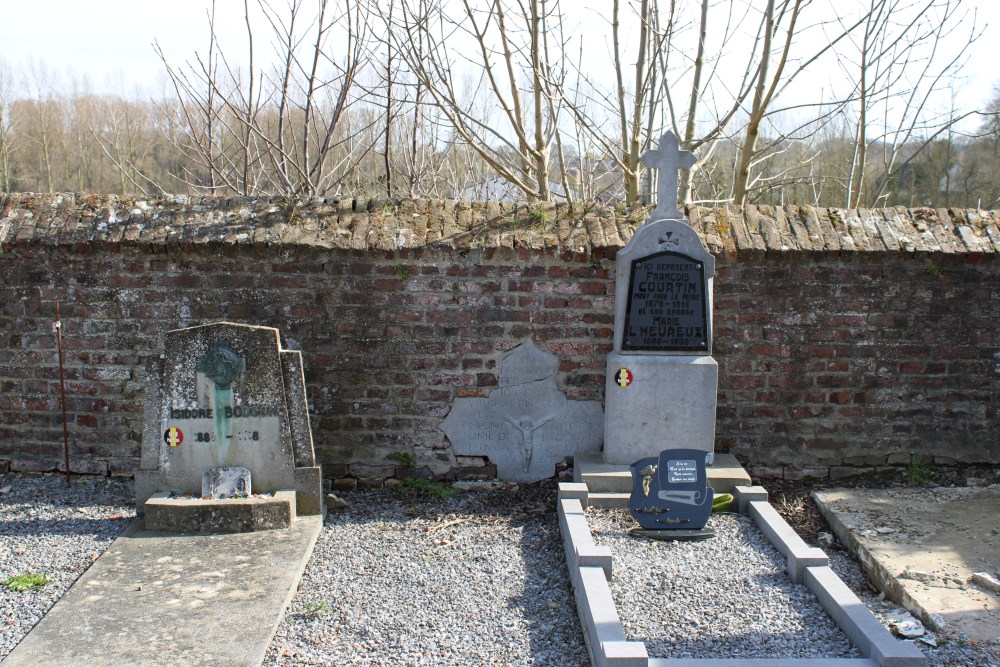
x=844 y=339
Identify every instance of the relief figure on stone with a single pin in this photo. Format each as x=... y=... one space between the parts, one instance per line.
x=527 y=429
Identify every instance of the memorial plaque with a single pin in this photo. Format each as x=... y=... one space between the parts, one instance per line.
x=671 y=491
x=666 y=309
x=525 y=426
x=226 y=482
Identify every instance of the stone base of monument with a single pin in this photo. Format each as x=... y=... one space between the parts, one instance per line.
x=220 y=515
x=652 y=403
x=609 y=485
x=591 y=568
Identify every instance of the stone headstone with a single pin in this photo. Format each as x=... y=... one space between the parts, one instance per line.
x=226 y=396
x=226 y=482
x=661 y=379
x=526 y=426
x=663 y=291
x=671 y=491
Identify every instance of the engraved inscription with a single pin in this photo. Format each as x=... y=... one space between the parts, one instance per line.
x=667 y=308
x=682 y=472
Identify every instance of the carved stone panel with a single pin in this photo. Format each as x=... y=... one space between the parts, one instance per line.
x=526 y=426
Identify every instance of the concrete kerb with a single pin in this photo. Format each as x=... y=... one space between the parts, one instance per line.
x=798 y=554
x=580 y=548
x=858 y=623
x=602 y=627
x=809 y=565
x=761 y=662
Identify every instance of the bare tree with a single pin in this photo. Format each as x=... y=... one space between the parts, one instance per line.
x=6 y=127
x=901 y=67
x=277 y=128
x=511 y=53
x=764 y=92
x=46 y=115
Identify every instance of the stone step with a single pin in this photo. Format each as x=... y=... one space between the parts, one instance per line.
x=600 y=477
x=607 y=500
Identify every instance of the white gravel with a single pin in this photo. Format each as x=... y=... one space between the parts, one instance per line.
x=726 y=597
x=480 y=579
x=477 y=580
x=50 y=529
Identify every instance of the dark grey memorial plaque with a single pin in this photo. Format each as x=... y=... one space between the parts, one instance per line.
x=666 y=309
x=670 y=492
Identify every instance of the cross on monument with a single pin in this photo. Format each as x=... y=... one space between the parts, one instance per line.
x=667 y=159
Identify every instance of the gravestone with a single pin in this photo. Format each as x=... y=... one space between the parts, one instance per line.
x=661 y=379
x=526 y=426
x=670 y=492
x=226 y=396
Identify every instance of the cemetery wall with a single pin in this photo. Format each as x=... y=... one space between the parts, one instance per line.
x=845 y=339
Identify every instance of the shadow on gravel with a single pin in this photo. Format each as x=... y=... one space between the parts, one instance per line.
x=546 y=606
x=556 y=636
x=75 y=526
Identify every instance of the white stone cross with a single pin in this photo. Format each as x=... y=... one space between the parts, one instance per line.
x=667 y=159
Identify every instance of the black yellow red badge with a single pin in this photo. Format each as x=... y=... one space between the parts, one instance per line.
x=173 y=436
x=623 y=377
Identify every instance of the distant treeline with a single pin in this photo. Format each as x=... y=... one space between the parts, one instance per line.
x=485 y=101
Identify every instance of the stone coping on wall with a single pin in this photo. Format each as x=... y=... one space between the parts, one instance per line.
x=360 y=224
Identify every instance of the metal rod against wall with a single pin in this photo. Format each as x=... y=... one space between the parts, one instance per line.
x=57 y=327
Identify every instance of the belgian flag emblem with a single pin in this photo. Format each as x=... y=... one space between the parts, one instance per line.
x=623 y=377
x=173 y=436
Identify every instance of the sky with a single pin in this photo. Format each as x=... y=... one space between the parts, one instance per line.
x=111 y=41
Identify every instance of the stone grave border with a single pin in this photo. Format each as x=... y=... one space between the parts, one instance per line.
x=591 y=568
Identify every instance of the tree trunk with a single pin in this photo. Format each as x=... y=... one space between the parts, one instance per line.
x=686 y=176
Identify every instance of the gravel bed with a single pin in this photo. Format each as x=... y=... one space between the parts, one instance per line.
x=394 y=582
x=478 y=579
x=726 y=597
x=55 y=530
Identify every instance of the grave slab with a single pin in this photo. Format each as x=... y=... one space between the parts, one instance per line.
x=526 y=426
x=157 y=599
x=922 y=546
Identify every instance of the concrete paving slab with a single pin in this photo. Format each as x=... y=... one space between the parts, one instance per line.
x=921 y=546
x=157 y=599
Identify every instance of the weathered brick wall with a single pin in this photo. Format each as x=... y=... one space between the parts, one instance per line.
x=845 y=339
